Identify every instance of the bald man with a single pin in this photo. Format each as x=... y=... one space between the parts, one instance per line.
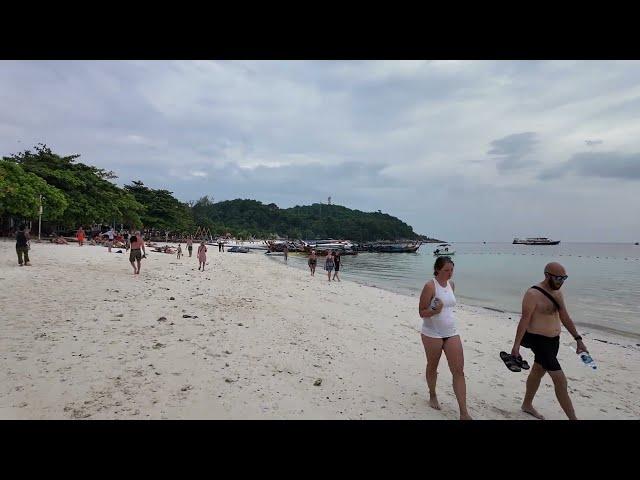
x=543 y=312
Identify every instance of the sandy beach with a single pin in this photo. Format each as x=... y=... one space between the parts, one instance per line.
x=251 y=338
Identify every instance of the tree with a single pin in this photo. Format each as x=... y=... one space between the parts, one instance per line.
x=20 y=194
x=90 y=196
x=162 y=210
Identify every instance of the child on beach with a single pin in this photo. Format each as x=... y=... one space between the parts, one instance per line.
x=179 y=251
x=202 y=255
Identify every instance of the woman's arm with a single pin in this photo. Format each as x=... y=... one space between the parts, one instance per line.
x=426 y=296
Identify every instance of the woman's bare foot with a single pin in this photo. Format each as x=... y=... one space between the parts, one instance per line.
x=465 y=416
x=433 y=402
x=532 y=411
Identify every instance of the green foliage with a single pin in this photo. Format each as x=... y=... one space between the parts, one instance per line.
x=90 y=196
x=162 y=210
x=250 y=217
x=20 y=194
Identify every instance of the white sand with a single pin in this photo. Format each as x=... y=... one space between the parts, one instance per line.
x=81 y=338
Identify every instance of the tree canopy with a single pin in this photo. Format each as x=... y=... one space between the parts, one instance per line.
x=20 y=194
x=89 y=194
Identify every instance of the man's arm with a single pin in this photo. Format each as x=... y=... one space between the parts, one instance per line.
x=569 y=325
x=528 y=307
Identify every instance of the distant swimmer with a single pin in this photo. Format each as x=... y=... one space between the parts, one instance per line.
x=543 y=313
x=439 y=333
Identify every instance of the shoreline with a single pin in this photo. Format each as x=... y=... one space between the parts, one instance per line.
x=87 y=339
x=631 y=336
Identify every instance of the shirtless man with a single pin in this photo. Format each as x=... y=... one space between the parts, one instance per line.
x=539 y=330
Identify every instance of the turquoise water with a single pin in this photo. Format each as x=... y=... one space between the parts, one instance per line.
x=603 y=289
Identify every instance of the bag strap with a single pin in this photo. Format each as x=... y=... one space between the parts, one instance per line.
x=548 y=295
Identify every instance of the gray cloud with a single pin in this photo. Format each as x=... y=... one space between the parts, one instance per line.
x=398 y=136
x=513 y=151
x=612 y=165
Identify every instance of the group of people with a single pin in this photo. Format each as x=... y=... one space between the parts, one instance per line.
x=331 y=264
x=543 y=313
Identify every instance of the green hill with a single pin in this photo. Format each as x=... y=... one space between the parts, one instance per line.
x=253 y=218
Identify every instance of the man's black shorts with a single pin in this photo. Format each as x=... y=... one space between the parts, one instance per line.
x=544 y=348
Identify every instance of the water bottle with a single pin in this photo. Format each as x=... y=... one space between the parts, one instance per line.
x=587 y=360
x=434 y=304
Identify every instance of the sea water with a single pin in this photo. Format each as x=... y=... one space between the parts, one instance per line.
x=602 y=291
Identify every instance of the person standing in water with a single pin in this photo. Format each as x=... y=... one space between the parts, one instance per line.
x=190 y=245
x=439 y=333
x=543 y=313
x=202 y=255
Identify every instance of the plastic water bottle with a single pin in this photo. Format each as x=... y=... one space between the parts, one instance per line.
x=587 y=360
x=585 y=357
x=434 y=304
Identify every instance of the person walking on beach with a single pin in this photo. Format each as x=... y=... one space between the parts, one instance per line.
x=22 y=246
x=328 y=264
x=127 y=244
x=179 y=251
x=219 y=245
x=110 y=234
x=137 y=248
x=543 y=312
x=202 y=255
x=313 y=261
x=439 y=333
x=286 y=252
x=80 y=236
x=336 y=262
x=190 y=245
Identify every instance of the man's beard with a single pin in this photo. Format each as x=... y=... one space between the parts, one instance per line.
x=554 y=285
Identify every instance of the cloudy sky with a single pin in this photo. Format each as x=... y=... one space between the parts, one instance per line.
x=460 y=150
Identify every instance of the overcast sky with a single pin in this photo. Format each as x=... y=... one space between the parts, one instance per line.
x=460 y=150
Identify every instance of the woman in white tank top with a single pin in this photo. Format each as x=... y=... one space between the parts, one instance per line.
x=439 y=333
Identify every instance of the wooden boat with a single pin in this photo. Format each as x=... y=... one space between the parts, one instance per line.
x=390 y=247
x=238 y=249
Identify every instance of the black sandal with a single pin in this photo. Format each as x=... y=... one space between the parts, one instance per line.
x=510 y=362
x=522 y=363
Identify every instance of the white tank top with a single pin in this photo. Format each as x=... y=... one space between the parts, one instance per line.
x=442 y=325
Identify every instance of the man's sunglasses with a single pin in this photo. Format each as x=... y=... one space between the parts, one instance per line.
x=558 y=278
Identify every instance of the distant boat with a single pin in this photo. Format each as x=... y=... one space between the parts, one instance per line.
x=390 y=247
x=238 y=249
x=444 y=250
x=535 y=241
x=636 y=243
